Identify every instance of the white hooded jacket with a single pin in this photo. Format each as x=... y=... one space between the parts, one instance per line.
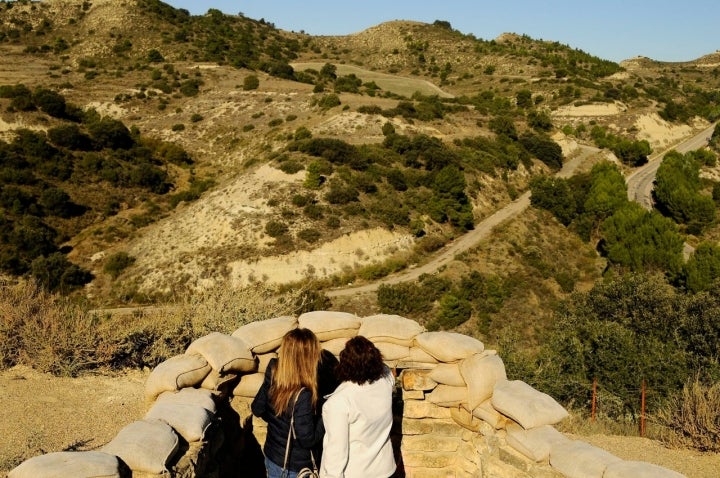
x=357 y=422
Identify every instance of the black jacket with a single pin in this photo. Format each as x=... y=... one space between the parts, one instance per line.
x=309 y=429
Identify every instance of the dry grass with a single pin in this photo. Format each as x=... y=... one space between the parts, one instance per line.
x=52 y=334
x=692 y=418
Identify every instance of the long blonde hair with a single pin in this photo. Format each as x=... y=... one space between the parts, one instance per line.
x=297 y=365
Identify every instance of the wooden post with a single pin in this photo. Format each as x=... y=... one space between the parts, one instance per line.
x=594 y=400
x=642 y=409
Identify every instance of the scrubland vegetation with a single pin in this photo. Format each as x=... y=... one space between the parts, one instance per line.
x=624 y=306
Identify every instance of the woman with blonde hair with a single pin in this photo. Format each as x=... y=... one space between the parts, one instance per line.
x=289 y=395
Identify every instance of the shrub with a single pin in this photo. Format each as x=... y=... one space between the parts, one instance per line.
x=275 y=122
x=301 y=200
x=291 y=167
x=454 y=311
x=50 y=102
x=310 y=235
x=45 y=331
x=155 y=56
x=692 y=417
x=275 y=228
x=178 y=127
x=251 y=82
x=56 y=273
x=329 y=101
x=110 y=133
x=196 y=117
x=405 y=298
x=117 y=263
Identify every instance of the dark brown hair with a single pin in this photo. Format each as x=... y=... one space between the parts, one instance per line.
x=360 y=362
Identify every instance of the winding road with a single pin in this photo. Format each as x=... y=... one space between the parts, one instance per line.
x=640 y=185
x=468 y=240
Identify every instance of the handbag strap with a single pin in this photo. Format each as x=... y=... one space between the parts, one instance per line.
x=291 y=431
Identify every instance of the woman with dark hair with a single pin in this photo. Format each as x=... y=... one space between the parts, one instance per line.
x=358 y=416
x=289 y=394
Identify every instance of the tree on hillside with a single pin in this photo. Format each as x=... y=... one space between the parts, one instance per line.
x=677 y=192
x=640 y=240
x=608 y=191
x=703 y=268
x=620 y=333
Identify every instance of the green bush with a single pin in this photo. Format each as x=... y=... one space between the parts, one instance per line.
x=291 y=167
x=276 y=229
x=301 y=200
x=405 y=298
x=251 y=82
x=117 y=263
x=328 y=101
x=454 y=311
x=310 y=235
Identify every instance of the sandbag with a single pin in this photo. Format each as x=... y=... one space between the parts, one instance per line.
x=69 y=464
x=249 y=385
x=190 y=396
x=527 y=406
x=390 y=328
x=265 y=335
x=638 y=469
x=447 y=396
x=224 y=353
x=577 y=459
x=486 y=412
x=329 y=324
x=180 y=371
x=334 y=346
x=145 y=446
x=448 y=346
x=264 y=360
x=481 y=372
x=189 y=421
x=221 y=384
x=534 y=443
x=448 y=374
x=391 y=351
x=418 y=355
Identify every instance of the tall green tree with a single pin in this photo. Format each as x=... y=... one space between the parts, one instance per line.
x=640 y=240
x=702 y=268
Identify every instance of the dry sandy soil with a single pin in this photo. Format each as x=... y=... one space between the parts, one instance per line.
x=43 y=414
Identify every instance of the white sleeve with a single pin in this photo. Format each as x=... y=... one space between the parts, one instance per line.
x=336 y=443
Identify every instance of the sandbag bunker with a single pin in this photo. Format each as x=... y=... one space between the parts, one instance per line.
x=459 y=414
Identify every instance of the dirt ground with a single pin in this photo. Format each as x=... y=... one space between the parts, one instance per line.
x=42 y=414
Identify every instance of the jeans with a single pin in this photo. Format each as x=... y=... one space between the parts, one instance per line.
x=276 y=471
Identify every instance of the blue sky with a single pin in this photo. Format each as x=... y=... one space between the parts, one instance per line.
x=614 y=30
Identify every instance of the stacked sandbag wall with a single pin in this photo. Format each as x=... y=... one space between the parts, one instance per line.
x=458 y=414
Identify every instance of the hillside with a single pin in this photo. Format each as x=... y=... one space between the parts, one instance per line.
x=240 y=209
